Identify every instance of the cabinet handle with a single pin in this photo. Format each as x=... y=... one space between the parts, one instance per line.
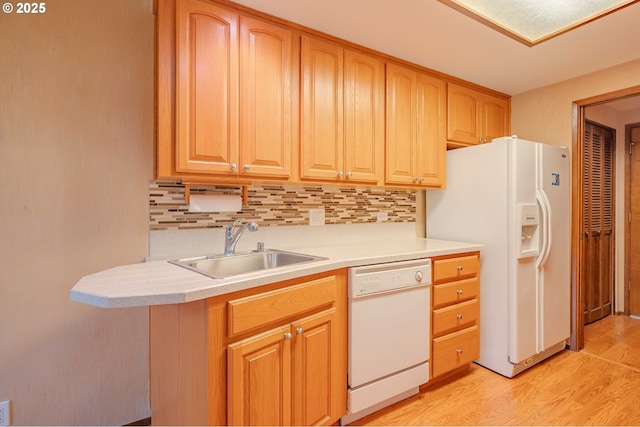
x=287 y=336
x=349 y=174
x=299 y=331
x=415 y=179
x=340 y=174
x=422 y=179
x=459 y=268
x=246 y=167
x=459 y=351
x=459 y=291
x=459 y=316
x=234 y=166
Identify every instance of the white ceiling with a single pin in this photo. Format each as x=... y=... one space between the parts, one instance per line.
x=428 y=33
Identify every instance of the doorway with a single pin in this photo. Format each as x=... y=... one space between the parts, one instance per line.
x=579 y=259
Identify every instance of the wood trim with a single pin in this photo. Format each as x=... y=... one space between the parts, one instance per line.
x=576 y=339
x=608 y=97
x=520 y=38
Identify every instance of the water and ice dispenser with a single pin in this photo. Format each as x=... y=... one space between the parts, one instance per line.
x=528 y=226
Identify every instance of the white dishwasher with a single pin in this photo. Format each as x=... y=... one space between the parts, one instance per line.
x=389 y=316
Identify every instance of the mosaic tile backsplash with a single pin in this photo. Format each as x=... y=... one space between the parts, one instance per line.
x=278 y=205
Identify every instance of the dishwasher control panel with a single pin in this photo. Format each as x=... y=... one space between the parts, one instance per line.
x=376 y=278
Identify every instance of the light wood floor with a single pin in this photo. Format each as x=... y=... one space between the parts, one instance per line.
x=597 y=386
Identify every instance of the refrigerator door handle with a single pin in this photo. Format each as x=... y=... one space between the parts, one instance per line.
x=543 y=201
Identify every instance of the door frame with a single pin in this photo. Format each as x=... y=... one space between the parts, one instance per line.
x=627 y=208
x=576 y=340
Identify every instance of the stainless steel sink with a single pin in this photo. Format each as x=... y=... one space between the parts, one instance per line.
x=221 y=266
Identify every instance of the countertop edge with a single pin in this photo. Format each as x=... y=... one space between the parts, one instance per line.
x=146 y=284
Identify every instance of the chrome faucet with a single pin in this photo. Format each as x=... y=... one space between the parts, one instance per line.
x=232 y=234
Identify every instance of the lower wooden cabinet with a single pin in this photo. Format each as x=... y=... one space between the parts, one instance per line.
x=274 y=356
x=284 y=376
x=455 y=312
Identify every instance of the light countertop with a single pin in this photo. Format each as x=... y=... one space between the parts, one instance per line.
x=159 y=282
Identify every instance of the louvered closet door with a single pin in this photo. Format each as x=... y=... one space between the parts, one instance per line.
x=597 y=227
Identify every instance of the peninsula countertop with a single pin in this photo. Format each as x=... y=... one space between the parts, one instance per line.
x=160 y=282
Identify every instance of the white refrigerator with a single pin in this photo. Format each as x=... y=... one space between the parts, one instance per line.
x=512 y=196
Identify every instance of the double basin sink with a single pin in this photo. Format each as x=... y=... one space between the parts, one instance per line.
x=222 y=266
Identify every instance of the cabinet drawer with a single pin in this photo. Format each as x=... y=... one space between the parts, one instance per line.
x=453 y=268
x=455 y=317
x=456 y=349
x=269 y=307
x=455 y=292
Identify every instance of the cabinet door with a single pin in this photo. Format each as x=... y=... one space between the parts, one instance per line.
x=463 y=114
x=401 y=112
x=316 y=374
x=322 y=139
x=206 y=88
x=364 y=117
x=259 y=379
x=266 y=85
x=495 y=117
x=430 y=140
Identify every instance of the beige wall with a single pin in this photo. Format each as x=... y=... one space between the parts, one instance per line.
x=76 y=141
x=547 y=115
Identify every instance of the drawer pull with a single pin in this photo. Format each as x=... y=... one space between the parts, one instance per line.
x=459 y=268
x=459 y=351
x=287 y=336
x=459 y=291
x=299 y=331
x=459 y=316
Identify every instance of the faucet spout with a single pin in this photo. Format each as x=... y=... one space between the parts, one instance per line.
x=232 y=235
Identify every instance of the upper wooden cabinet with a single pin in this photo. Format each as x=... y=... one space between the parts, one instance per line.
x=342 y=114
x=475 y=117
x=416 y=146
x=266 y=55
x=242 y=97
x=233 y=95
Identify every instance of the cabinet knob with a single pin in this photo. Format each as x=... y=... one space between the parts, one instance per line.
x=299 y=331
x=246 y=167
x=459 y=268
x=349 y=174
x=422 y=179
x=459 y=292
x=234 y=166
x=459 y=316
x=340 y=174
x=459 y=351
x=415 y=179
x=287 y=336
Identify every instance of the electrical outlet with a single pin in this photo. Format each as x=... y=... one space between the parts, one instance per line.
x=382 y=216
x=5 y=414
x=316 y=216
